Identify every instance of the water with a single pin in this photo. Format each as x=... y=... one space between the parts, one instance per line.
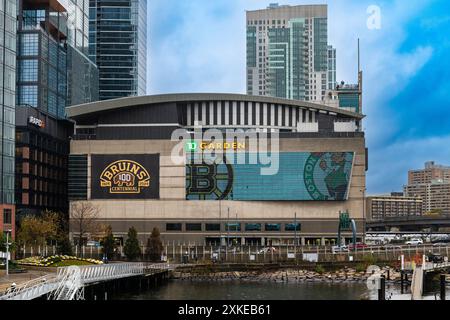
x=235 y=290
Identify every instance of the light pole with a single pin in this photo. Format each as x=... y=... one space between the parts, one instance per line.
x=364 y=214
x=7 y=251
x=237 y=231
x=295 y=228
x=228 y=228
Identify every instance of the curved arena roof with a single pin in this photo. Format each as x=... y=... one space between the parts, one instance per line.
x=110 y=105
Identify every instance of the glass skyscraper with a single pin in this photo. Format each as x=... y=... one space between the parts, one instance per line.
x=7 y=102
x=287 y=52
x=54 y=69
x=117 y=31
x=53 y=72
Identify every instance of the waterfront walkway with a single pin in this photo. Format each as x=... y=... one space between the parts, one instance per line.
x=19 y=278
x=69 y=282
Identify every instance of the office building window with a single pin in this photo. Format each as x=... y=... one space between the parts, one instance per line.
x=233 y=226
x=7 y=216
x=292 y=227
x=173 y=227
x=212 y=227
x=29 y=44
x=193 y=227
x=273 y=227
x=28 y=70
x=28 y=95
x=253 y=227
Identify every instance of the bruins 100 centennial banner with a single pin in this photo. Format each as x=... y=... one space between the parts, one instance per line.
x=125 y=176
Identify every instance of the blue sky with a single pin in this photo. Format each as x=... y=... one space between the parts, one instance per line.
x=199 y=46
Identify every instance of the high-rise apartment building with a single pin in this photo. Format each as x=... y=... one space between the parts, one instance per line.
x=432 y=184
x=331 y=68
x=393 y=206
x=117 y=31
x=288 y=52
x=431 y=172
x=7 y=104
x=435 y=196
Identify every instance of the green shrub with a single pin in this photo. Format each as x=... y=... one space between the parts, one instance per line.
x=319 y=269
x=370 y=259
x=361 y=267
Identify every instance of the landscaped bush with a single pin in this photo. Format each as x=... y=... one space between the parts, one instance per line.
x=319 y=269
x=54 y=261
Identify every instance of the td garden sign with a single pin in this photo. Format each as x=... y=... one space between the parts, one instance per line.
x=194 y=146
x=125 y=176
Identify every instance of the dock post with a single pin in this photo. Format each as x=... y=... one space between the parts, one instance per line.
x=382 y=289
x=442 y=285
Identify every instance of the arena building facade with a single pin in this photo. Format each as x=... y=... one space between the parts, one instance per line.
x=122 y=162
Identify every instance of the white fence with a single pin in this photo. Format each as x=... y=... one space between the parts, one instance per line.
x=68 y=280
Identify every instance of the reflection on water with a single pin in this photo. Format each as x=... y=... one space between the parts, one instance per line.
x=235 y=290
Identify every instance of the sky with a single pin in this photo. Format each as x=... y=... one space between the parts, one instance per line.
x=199 y=46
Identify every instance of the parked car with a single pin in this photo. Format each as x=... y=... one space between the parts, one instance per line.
x=441 y=244
x=267 y=250
x=337 y=249
x=414 y=242
x=358 y=246
x=435 y=258
x=391 y=247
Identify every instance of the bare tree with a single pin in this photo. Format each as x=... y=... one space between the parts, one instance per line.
x=84 y=219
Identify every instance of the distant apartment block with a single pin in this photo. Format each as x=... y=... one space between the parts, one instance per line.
x=435 y=196
x=432 y=185
x=288 y=55
x=393 y=206
x=432 y=172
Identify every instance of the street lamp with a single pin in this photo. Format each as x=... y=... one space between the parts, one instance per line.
x=7 y=251
x=364 y=214
x=228 y=228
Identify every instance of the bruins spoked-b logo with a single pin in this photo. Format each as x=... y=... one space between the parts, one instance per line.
x=125 y=177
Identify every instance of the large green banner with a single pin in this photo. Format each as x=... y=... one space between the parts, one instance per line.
x=303 y=176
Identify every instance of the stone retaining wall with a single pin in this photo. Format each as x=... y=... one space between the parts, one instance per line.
x=288 y=275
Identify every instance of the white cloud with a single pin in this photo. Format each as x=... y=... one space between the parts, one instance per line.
x=402 y=156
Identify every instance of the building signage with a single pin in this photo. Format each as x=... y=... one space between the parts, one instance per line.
x=195 y=146
x=125 y=177
x=36 y=122
x=302 y=176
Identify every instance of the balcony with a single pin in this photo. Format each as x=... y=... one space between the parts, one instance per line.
x=57 y=5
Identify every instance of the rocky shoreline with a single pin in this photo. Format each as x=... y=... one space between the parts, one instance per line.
x=289 y=275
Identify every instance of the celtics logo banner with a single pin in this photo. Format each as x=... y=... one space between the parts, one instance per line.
x=302 y=176
x=125 y=176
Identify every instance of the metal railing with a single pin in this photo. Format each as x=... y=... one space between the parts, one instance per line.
x=98 y=273
x=32 y=289
x=68 y=282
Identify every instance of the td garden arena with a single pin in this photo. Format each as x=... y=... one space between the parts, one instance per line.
x=207 y=167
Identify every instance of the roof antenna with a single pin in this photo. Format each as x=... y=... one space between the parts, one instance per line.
x=359 y=59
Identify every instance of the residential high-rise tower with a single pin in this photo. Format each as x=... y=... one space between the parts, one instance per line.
x=117 y=44
x=287 y=52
